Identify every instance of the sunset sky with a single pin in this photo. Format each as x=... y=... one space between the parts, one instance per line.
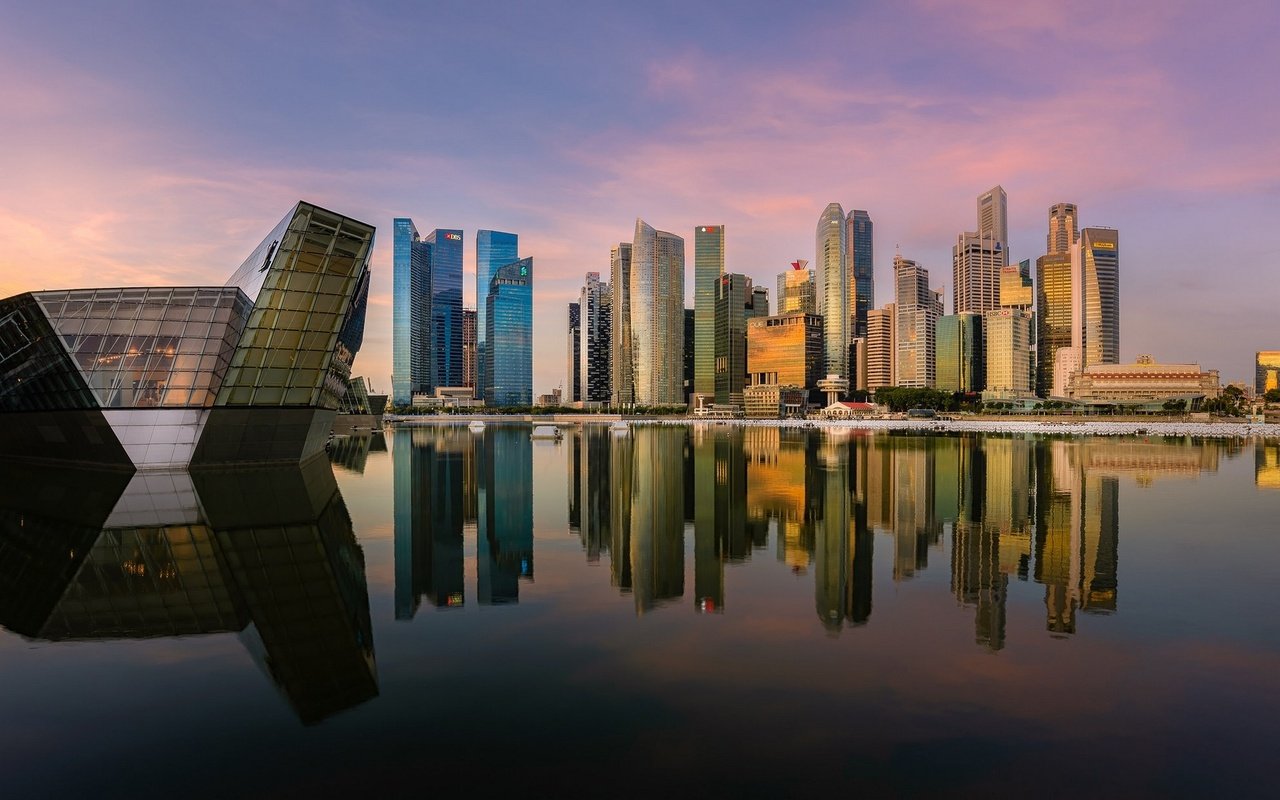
x=157 y=143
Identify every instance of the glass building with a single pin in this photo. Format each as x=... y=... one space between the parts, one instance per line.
x=494 y=250
x=165 y=377
x=708 y=266
x=960 y=354
x=573 y=389
x=595 y=339
x=832 y=295
x=785 y=349
x=1267 y=371
x=1096 y=296
x=446 y=307
x=410 y=312
x=795 y=290
x=657 y=316
x=858 y=232
x=622 y=388
x=509 y=349
x=734 y=306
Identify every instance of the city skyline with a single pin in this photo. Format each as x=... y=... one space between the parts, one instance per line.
x=113 y=162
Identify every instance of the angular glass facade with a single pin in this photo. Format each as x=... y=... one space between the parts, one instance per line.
x=509 y=352
x=446 y=307
x=960 y=358
x=494 y=250
x=708 y=266
x=657 y=316
x=832 y=295
x=154 y=368
x=858 y=236
x=410 y=312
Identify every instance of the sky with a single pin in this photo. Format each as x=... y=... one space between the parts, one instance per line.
x=158 y=143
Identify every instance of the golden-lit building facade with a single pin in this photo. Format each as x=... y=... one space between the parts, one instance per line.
x=1267 y=365
x=1143 y=382
x=1053 y=315
x=882 y=347
x=786 y=350
x=795 y=290
x=1015 y=286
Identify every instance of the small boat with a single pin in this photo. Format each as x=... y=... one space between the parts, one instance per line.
x=547 y=432
x=476 y=426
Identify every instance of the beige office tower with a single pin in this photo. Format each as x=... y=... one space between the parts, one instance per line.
x=622 y=357
x=657 y=316
x=1064 y=229
x=1095 y=296
x=858 y=352
x=1007 y=346
x=916 y=325
x=1015 y=286
x=976 y=264
x=795 y=290
x=831 y=278
x=993 y=219
x=881 y=347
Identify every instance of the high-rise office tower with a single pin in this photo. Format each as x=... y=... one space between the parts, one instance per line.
x=978 y=256
x=785 y=350
x=735 y=304
x=1015 y=286
x=882 y=348
x=795 y=290
x=410 y=313
x=861 y=270
x=509 y=344
x=708 y=266
x=831 y=275
x=446 y=307
x=688 y=354
x=573 y=391
x=993 y=218
x=1095 y=266
x=1053 y=291
x=1266 y=371
x=1064 y=228
x=494 y=250
x=918 y=310
x=595 y=306
x=759 y=306
x=1007 y=346
x=622 y=361
x=960 y=354
x=657 y=315
x=469 y=347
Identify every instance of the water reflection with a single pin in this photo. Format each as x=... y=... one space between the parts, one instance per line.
x=1000 y=508
x=268 y=554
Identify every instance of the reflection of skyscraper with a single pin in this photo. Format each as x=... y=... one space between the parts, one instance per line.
x=621 y=470
x=504 y=535
x=429 y=512
x=1266 y=460
x=657 y=515
x=708 y=561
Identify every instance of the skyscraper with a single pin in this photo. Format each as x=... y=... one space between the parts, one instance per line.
x=410 y=313
x=494 y=249
x=657 y=315
x=882 y=348
x=1053 y=290
x=573 y=391
x=1007 y=345
x=861 y=270
x=976 y=262
x=832 y=278
x=993 y=218
x=1015 y=286
x=1266 y=371
x=595 y=305
x=918 y=310
x=469 y=347
x=446 y=307
x=1064 y=228
x=960 y=365
x=795 y=290
x=622 y=362
x=509 y=349
x=1095 y=264
x=735 y=304
x=708 y=266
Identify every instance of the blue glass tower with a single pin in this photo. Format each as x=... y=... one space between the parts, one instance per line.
x=494 y=249
x=446 y=307
x=861 y=270
x=509 y=336
x=411 y=309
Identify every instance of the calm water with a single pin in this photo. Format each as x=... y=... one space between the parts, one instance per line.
x=684 y=611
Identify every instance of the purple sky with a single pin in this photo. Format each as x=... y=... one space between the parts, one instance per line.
x=158 y=142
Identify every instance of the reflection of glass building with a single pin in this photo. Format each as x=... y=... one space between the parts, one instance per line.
x=266 y=552
x=504 y=536
x=165 y=377
x=428 y=485
x=494 y=250
x=508 y=348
